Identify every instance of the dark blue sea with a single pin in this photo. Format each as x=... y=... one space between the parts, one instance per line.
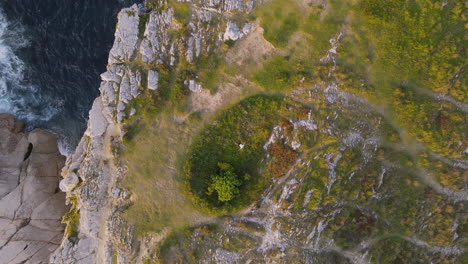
x=51 y=55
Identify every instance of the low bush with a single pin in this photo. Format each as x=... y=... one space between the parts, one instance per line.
x=228 y=151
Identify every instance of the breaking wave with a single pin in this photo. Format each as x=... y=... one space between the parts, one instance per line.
x=17 y=95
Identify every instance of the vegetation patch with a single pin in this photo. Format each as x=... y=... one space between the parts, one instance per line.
x=151 y=156
x=210 y=69
x=277 y=74
x=357 y=226
x=403 y=51
x=181 y=11
x=226 y=155
x=357 y=172
x=279 y=19
x=394 y=249
x=187 y=245
x=282 y=158
x=72 y=219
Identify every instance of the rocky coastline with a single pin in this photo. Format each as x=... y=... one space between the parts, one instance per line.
x=31 y=204
x=92 y=172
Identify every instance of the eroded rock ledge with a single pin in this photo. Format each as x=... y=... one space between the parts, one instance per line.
x=31 y=205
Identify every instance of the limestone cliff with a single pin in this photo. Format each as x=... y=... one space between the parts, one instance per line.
x=144 y=36
x=31 y=205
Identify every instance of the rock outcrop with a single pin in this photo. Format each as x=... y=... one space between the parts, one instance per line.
x=91 y=173
x=31 y=205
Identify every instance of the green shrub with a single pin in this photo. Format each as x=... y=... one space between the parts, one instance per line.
x=249 y=123
x=227 y=183
x=72 y=219
x=277 y=74
x=181 y=11
x=209 y=69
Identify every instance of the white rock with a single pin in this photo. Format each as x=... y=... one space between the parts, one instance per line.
x=115 y=192
x=230 y=5
x=110 y=77
x=135 y=82
x=69 y=182
x=232 y=32
x=249 y=5
x=146 y=52
x=97 y=123
x=126 y=35
x=198 y=48
x=153 y=80
x=246 y=29
x=108 y=92
x=194 y=86
x=190 y=49
x=125 y=90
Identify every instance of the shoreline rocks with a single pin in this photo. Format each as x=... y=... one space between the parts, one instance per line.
x=31 y=205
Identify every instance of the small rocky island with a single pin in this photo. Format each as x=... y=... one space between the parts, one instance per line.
x=31 y=204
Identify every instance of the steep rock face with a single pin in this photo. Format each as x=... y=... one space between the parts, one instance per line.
x=31 y=206
x=91 y=173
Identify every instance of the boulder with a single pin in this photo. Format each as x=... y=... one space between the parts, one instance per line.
x=31 y=208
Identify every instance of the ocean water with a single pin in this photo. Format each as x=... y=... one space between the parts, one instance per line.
x=51 y=55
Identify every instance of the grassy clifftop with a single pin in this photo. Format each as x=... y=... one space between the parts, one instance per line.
x=345 y=140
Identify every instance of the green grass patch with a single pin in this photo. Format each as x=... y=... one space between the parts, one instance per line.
x=72 y=219
x=397 y=47
x=393 y=249
x=153 y=171
x=249 y=123
x=181 y=11
x=142 y=25
x=280 y=19
x=322 y=25
x=210 y=69
x=282 y=73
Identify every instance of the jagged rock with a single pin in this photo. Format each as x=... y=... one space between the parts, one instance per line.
x=193 y=86
x=227 y=5
x=190 y=49
x=70 y=182
x=126 y=35
x=124 y=94
x=97 y=122
x=252 y=48
x=153 y=80
x=31 y=209
x=233 y=32
x=250 y=5
x=96 y=193
x=155 y=44
x=109 y=76
x=135 y=82
x=146 y=52
x=91 y=163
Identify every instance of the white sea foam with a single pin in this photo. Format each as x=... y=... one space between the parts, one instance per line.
x=64 y=147
x=17 y=97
